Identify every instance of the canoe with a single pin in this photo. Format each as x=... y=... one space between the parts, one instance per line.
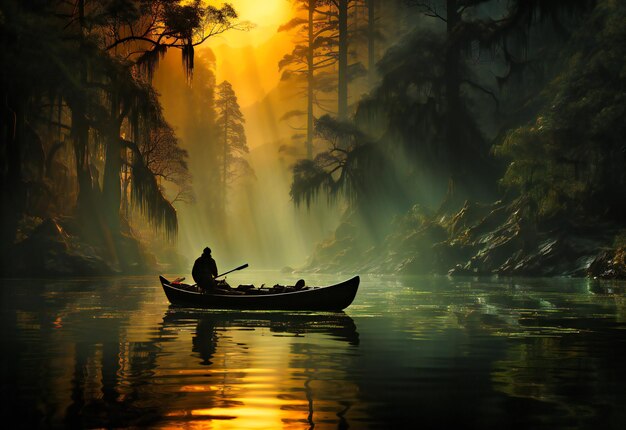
x=331 y=298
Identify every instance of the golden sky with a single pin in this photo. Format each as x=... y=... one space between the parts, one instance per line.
x=249 y=59
x=266 y=15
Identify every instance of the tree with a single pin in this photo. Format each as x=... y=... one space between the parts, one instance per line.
x=312 y=54
x=231 y=136
x=569 y=161
x=342 y=170
x=140 y=37
x=467 y=24
x=89 y=79
x=422 y=111
x=354 y=168
x=372 y=35
x=143 y=33
x=37 y=72
x=342 y=58
x=168 y=162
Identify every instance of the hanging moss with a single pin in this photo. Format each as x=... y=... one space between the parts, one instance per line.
x=148 y=197
x=187 y=56
x=345 y=169
x=149 y=60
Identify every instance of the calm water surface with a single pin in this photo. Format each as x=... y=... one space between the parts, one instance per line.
x=409 y=353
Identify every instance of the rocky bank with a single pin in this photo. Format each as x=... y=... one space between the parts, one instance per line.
x=480 y=239
x=60 y=247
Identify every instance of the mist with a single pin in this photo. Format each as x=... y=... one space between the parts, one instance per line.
x=262 y=227
x=395 y=137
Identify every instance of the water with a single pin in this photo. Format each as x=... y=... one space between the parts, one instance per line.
x=409 y=353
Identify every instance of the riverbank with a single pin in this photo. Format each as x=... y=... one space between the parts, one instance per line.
x=61 y=247
x=480 y=240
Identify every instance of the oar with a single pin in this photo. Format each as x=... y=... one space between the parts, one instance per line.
x=238 y=268
x=226 y=273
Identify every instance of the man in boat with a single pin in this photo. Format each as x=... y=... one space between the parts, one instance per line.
x=204 y=271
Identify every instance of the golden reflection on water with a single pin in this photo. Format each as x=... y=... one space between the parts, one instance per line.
x=113 y=355
x=228 y=384
x=252 y=404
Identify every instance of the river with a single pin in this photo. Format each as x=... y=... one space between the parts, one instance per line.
x=426 y=352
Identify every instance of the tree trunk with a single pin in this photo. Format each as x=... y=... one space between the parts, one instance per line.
x=85 y=202
x=80 y=136
x=371 y=43
x=111 y=183
x=12 y=187
x=453 y=98
x=310 y=83
x=225 y=162
x=342 y=87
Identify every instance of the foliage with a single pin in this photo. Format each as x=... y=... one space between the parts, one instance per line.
x=85 y=88
x=145 y=35
x=148 y=196
x=231 y=138
x=345 y=169
x=168 y=161
x=571 y=159
x=313 y=54
x=409 y=112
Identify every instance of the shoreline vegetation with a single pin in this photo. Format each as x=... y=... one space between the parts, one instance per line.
x=457 y=137
x=550 y=176
x=479 y=240
x=92 y=174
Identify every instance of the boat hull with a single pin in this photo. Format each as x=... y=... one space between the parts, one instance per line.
x=332 y=298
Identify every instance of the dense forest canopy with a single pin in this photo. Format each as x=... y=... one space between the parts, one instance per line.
x=473 y=131
x=84 y=134
x=479 y=101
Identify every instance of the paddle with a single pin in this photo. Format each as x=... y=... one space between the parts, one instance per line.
x=226 y=273
x=233 y=270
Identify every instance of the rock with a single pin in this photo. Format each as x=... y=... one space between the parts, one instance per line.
x=498 y=216
x=54 y=247
x=453 y=254
x=49 y=250
x=133 y=257
x=460 y=270
x=609 y=264
x=470 y=215
x=345 y=230
x=495 y=239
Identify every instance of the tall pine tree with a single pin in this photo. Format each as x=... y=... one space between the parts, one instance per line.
x=231 y=136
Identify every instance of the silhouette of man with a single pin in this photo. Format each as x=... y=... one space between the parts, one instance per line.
x=204 y=271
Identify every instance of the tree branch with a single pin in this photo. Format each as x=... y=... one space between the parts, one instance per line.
x=484 y=90
x=429 y=10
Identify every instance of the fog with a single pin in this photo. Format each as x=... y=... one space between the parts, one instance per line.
x=263 y=227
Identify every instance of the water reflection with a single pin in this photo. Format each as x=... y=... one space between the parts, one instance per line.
x=337 y=325
x=293 y=382
x=432 y=352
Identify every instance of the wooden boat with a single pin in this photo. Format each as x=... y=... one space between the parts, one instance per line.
x=330 y=298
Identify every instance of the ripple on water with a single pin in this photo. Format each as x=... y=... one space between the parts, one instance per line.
x=474 y=353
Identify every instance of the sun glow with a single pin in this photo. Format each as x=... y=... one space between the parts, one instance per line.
x=263 y=13
x=264 y=16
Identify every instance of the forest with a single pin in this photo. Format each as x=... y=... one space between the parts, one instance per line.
x=453 y=137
